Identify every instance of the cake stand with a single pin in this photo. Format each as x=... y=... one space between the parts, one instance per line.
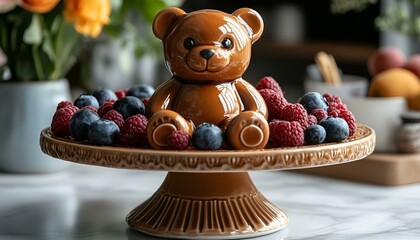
x=209 y=194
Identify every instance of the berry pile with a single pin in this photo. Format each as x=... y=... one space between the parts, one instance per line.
x=110 y=118
x=106 y=117
x=314 y=119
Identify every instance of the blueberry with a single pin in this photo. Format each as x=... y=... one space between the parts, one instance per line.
x=315 y=134
x=103 y=132
x=86 y=100
x=141 y=91
x=207 y=136
x=103 y=94
x=313 y=100
x=337 y=129
x=80 y=123
x=129 y=106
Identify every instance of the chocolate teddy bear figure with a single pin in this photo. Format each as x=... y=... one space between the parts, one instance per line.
x=207 y=52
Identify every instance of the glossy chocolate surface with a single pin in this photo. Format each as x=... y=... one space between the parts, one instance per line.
x=207 y=52
x=207 y=102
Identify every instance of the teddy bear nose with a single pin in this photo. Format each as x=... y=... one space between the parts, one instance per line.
x=207 y=53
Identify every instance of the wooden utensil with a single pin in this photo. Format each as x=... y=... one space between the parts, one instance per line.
x=328 y=67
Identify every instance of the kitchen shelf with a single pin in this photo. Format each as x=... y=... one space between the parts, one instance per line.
x=348 y=52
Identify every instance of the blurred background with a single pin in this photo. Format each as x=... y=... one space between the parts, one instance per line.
x=125 y=53
x=43 y=46
x=294 y=32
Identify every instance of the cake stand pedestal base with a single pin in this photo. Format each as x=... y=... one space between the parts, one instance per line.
x=220 y=205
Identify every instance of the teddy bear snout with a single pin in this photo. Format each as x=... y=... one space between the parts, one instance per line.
x=207 y=58
x=206 y=53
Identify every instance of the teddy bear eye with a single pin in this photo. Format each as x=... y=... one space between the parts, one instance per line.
x=227 y=43
x=189 y=43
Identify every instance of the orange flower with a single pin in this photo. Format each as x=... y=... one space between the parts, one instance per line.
x=38 y=6
x=88 y=16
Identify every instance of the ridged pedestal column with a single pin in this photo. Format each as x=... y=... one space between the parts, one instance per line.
x=208 y=205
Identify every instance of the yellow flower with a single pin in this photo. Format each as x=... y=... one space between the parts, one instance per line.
x=88 y=16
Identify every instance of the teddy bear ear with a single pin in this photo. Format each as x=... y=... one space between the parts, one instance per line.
x=252 y=21
x=164 y=20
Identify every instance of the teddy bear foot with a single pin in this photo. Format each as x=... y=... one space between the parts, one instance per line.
x=162 y=124
x=248 y=130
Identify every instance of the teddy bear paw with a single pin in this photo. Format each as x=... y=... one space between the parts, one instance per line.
x=248 y=130
x=162 y=124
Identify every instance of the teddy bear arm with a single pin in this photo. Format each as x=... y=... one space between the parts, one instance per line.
x=163 y=97
x=251 y=98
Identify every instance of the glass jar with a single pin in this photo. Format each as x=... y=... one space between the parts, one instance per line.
x=408 y=136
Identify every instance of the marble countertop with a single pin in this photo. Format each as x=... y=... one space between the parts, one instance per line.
x=88 y=202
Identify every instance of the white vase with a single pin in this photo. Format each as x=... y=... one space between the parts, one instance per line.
x=27 y=108
x=115 y=66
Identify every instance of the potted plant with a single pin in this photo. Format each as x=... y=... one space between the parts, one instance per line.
x=40 y=41
x=398 y=21
x=127 y=53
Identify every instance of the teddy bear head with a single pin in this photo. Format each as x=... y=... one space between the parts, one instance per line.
x=208 y=45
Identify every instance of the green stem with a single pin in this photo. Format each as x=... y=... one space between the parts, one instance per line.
x=4 y=37
x=57 y=49
x=65 y=47
x=37 y=62
x=13 y=37
x=414 y=17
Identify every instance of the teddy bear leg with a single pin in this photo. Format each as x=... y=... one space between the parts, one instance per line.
x=248 y=130
x=162 y=124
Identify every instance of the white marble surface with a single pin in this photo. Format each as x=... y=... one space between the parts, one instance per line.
x=88 y=202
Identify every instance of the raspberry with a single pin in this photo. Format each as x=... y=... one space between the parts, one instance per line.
x=133 y=132
x=114 y=116
x=339 y=109
x=266 y=92
x=274 y=101
x=64 y=104
x=333 y=113
x=286 y=134
x=60 y=125
x=351 y=121
x=295 y=112
x=121 y=93
x=312 y=120
x=332 y=98
x=319 y=114
x=106 y=107
x=334 y=106
x=269 y=83
x=179 y=140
